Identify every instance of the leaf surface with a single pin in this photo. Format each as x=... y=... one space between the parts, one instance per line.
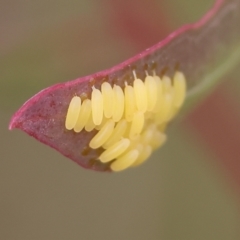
x=203 y=51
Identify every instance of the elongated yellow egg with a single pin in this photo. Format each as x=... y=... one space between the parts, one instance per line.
x=117 y=133
x=159 y=101
x=152 y=92
x=124 y=161
x=115 y=150
x=97 y=106
x=119 y=103
x=90 y=124
x=165 y=109
x=166 y=83
x=179 y=84
x=140 y=95
x=136 y=125
x=73 y=112
x=145 y=154
x=102 y=136
x=84 y=115
x=158 y=140
x=147 y=135
x=130 y=103
x=108 y=99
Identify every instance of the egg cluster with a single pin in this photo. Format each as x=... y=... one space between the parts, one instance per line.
x=130 y=121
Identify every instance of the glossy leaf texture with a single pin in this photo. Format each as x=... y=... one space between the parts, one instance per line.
x=203 y=51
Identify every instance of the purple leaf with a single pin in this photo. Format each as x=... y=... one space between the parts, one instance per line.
x=197 y=50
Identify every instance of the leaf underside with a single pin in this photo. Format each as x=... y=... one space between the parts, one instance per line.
x=202 y=51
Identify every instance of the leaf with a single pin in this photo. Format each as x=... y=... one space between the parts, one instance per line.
x=203 y=51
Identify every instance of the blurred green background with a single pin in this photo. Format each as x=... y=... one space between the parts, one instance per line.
x=182 y=192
